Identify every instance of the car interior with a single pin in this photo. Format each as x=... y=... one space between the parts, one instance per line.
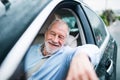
x=74 y=38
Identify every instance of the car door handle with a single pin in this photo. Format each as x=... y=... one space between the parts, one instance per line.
x=109 y=66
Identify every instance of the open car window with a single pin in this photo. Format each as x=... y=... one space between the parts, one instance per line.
x=76 y=34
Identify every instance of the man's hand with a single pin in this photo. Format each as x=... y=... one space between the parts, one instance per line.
x=81 y=68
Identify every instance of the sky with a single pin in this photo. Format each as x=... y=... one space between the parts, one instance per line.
x=103 y=4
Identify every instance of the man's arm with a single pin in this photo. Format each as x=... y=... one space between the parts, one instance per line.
x=83 y=62
x=81 y=68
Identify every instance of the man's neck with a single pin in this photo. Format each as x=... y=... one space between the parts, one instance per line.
x=45 y=53
x=43 y=50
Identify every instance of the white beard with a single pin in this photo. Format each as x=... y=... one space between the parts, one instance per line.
x=50 y=51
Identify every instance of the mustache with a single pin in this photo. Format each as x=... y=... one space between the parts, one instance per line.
x=53 y=43
x=48 y=49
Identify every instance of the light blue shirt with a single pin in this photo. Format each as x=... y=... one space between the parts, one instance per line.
x=57 y=65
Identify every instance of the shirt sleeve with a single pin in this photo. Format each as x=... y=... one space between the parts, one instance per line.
x=92 y=51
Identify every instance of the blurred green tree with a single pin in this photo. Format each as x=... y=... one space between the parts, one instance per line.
x=108 y=17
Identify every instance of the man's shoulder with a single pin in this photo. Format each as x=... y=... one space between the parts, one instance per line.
x=33 y=49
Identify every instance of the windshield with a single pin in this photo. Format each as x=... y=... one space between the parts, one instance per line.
x=15 y=18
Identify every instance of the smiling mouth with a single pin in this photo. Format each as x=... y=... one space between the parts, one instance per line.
x=53 y=44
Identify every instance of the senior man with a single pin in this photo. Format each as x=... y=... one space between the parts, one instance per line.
x=52 y=60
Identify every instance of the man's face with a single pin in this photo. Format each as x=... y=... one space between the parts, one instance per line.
x=55 y=37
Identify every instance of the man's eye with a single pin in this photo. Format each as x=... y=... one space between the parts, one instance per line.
x=52 y=33
x=61 y=37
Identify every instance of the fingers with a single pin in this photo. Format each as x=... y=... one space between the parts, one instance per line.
x=91 y=72
x=89 y=69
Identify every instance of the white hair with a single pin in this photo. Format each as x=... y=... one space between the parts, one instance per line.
x=60 y=21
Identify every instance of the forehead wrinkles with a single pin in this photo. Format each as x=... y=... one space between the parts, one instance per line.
x=59 y=23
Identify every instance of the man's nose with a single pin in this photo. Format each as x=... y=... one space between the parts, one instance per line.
x=56 y=39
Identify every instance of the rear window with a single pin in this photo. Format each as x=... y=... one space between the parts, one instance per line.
x=15 y=19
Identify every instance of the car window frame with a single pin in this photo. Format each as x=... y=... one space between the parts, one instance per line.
x=37 y=32
x=22 y=45
x=14 y=23
x=86 y=10
x=66 y=5
x=106 y=40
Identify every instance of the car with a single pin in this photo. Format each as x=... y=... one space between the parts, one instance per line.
x=23 y=24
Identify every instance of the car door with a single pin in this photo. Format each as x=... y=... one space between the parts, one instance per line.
x=18 y=27
x=106 y=69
